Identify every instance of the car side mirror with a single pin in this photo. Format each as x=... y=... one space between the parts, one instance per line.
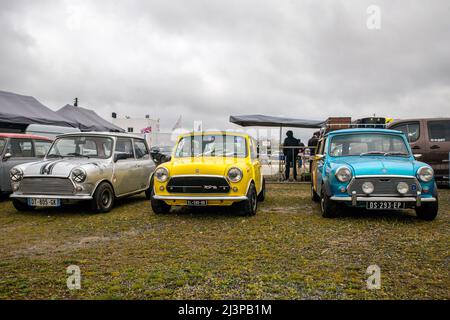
x=7 y=156
x=319 y=156
x=120 y=156
x=417 y=156
x=155 y=150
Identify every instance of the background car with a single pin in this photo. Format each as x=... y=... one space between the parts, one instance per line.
x=210 y=169
x=95 y=167
x=373 y=169
x=16 y=149
x=431 y=139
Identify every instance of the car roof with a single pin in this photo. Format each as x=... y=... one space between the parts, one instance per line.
x=24 y=136
x=102 y=134
x=363 y=130
x=226 y=133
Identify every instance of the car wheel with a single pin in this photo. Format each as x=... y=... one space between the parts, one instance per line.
x=262 y=194
x=314 y=196
x=103 y=200
x=428 y=210
x=158 y=206
x=21 y=206
x=249 y=207
x=148 y=192
x=327 y=206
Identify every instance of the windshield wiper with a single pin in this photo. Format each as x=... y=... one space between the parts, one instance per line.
x=54 y=156
x=77 y=155
x=396 y=153
x=372 y=153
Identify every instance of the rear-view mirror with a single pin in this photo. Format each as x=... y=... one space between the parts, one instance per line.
x=417 y=156
x=7 y=156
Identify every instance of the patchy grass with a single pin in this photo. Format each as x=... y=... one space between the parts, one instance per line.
x=287 y=251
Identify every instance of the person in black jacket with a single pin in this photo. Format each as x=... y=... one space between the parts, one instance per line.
x=312 y=143
x=290 y=153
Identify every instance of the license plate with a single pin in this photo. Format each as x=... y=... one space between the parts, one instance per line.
x=38 y=202
x=197 y=203
x=385 y=205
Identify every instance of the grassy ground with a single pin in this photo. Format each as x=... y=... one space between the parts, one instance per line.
x=287 y=251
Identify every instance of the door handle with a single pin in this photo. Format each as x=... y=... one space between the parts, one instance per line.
x=415 y=148
x=435 y=147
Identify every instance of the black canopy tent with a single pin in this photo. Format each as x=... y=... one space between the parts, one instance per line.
x=87 y=120
x=18 y=111
x=258 y=120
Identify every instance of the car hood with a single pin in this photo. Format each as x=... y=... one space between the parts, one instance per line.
x=203 y=165
x=367 y=165
x=58 y=167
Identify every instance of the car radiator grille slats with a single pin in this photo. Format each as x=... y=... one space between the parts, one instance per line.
x=47 y=186
x=200 y=184
x=384 y=186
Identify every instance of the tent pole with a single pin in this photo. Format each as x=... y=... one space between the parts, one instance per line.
x=279 y=156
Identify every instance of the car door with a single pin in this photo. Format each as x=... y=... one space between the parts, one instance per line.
x=256 y=164
x=144 y=164
x=317 y=167
x=17 y=151
x=438 y=136
x=126 y=178
x=414 y=132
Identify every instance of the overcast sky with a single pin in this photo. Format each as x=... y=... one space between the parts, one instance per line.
x=208 y=59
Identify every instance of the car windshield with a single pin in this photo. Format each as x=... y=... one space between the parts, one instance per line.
x=365 y=144
x=81 y=146
x=211 y=146
x=2 y=145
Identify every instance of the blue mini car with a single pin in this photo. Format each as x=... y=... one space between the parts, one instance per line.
x=372 y=169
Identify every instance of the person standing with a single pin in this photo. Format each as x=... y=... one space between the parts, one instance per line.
x=312 y=144
x=290 y=154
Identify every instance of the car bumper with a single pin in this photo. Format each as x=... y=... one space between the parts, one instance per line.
x=61 y=197
x=354 y=199
x=211 y=200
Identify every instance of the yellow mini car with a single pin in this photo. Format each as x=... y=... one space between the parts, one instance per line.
x=210 y=169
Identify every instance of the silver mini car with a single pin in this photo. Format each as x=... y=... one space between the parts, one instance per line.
x=96 y=167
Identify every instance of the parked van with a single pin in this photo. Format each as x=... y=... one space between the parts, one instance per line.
x=431 y=139
x=16 y=148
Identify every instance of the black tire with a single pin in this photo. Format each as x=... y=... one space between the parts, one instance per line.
x=250 y=206
x=103 y=200
x=262 y=194
x=428 y=210
x=328 y=207
x=159 y=206
x=21 y=206
x=148 y=192
x=314 y=196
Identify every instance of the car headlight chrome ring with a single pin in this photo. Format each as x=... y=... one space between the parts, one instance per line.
x=343 y=174
x=368 y=187
x=235 y=174
x=79 y=175
x=16 y=174
x=425 y=174
x=402 y=187
x=162 y=174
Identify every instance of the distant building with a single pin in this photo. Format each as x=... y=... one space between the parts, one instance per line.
x=136 y=125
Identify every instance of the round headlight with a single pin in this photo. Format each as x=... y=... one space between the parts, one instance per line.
x=425 y=174
x=368 y=187
x=402 y=187
x=234 y=174
x=16 y=174
x=162 y=174
x=79 y=175
x=343 y=174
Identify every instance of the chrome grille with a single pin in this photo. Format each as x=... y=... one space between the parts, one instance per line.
x=47 y=186
x=198 y=184
x=384 y=186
